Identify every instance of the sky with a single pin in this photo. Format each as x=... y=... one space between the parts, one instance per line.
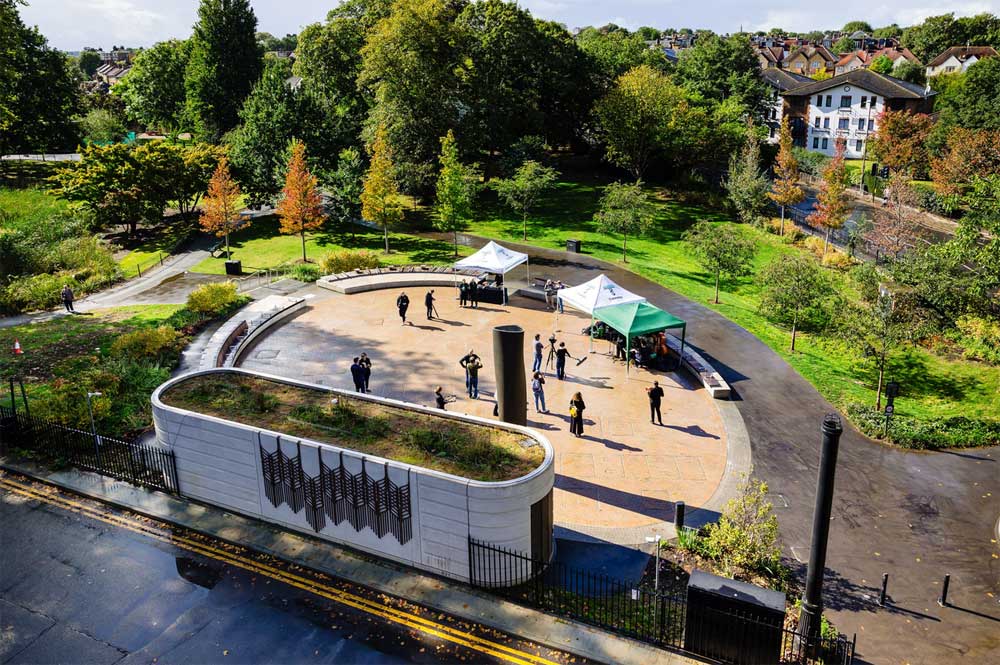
x=72 y=24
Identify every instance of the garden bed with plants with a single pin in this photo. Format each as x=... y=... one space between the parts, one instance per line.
x=478 y=452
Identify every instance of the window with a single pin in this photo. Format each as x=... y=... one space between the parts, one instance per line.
x=874 y=101
x=864 y=101
x=845 y=101
x=844 y=123
x=829 y=100
x=826 y=123
x=859 y=145
x=949 y=69
x=815 y=143
x=861 y=124
x=871 y=125
x=771 y=134
x=816 y=122
x=826 y=143
x=819 y=100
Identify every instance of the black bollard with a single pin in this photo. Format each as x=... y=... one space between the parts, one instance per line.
x=885 y=585
x=812 y=597
x=679 y=515
x=943 y=600
x=508 y=365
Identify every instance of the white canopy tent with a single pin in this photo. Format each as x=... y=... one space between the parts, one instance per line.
x=596 y=294
x=495 y=258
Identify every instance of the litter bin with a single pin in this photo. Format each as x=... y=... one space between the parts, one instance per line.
x=573 y=246
x=234 y=268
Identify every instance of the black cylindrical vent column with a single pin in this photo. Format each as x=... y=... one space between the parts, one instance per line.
x=508 y=367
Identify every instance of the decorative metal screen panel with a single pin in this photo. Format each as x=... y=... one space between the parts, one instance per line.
x=362 y=501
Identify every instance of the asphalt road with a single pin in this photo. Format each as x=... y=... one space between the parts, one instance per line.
x=83 y=583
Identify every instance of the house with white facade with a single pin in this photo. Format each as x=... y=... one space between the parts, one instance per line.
x=780 y=81
x=958 y=58
x=848 y=107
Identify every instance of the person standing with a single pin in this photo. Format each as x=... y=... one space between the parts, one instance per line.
x=655 y=396
x=439 y=398
x=366 y=371
x=473 y=293
x=550 y=290
x=402 y=304
x=559 y=301
x=463 y=293
x=429 y=303
x=357 y=376
x=536 y=363
x=471 y=363
x=561 y=354
x=67 y=298
x=576 y=407
x=538 y=390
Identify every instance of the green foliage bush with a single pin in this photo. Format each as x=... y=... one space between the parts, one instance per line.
x=979 y=338
x=345 y=260
x=745 y=537
x=814 y=245
x=954 y=432
x=306 y=272
x=468 y=450
x=838 y=260
x=213 y=299
x=159 y=345
x=810 y=162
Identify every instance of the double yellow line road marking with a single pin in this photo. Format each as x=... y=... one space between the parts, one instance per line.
x=357 y=602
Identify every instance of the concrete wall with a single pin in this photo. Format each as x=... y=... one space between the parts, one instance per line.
x=219 y=462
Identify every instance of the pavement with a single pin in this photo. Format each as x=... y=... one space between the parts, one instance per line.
x=914 y=515
x=618 y=483
x=109 y=596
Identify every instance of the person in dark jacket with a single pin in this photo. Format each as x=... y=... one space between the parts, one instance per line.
x=366 y=370
x=67 y=298
x=402 y=304
x=471 y=363
x=473 y=293
x=439 y=398
x=576 y=407
x=655 y=397
x=429 y=303
x=561 y=354
x=357 y=375
x=463 y=293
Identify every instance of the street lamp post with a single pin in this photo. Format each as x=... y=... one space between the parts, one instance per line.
x=812 y=597
x=656 y=579
x=93 y=427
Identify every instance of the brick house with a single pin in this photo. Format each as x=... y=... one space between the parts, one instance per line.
x=808 y=60
x=780 y=81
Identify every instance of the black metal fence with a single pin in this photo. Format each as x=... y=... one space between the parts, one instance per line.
x=660 y=618
x=124 y=460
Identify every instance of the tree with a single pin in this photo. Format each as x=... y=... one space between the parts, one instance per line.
x=894 y=226
x=456 y=189
x=646 y=33
x=900 y=141
x=625 y=209
x=221 y=212
x=831 y=208
x=153 y=89
x=912 y=72
x=380 y=197
x=977 y=102
x=88 y=62
x=345 y=185
x=636 y=118
x=745 y=537
x=102 y=126
x=570 y=83
x=982 y=218
x=793 y=290
x=522 y=190
x=301 y=207
x=820 y=75
x=721 y=249
x=39 y=95
x=937 y=33
x=844 y=45
x=786 y=191
x=882 y=65
x=887 y=32
x=746 y=183
x=186 y=172
x=854 y=26
x=269 y=42
x=722 y=68
x=224 y=64
x=616 y=52
x=968 y=152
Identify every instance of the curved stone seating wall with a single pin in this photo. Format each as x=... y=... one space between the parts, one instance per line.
x=390 y=277
x=240 y=330
x=425 y=517
x=701 y=369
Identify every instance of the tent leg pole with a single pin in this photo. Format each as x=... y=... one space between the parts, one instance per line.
x=591 y=333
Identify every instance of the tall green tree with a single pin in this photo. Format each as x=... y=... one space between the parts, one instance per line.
x=794 y=289
x=89 y=61
x=39 y=96
x=882 y=65
x=854 y=26
x=153 y=89
x=457 y=185
x=414 y=64
x=616 y=51
x=345 y=185
x=722 y=249
x=625 y=209
x=224 y=65
x=721 y=68
x=983 y=219
x=937 y=33
x=380 y=196
x=746 y=183
x=844 y=45
x=102 y=126
x=522 y=190
x=569 y=83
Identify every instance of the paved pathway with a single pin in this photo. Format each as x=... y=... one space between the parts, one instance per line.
x=914 y=515
x=619 y=482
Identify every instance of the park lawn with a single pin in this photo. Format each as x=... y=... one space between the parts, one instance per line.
x=24 y=208
x=934 y=387
x=158 y=245
x=262 y=246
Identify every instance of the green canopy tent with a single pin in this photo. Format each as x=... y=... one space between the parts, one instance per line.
x=639 y=318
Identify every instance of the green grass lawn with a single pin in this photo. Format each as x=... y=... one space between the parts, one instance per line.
x=24 y=208
x=262 y=246
x=157 y=245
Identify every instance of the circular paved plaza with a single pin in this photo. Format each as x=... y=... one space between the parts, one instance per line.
x=617 y=483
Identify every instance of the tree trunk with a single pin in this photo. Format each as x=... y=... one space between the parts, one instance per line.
x=229 y=257
x=524 y=227
x=624 y=245
x=795 y=320
x=881 y=373
x=385 y=230
x=782 y=232
x=303 y=234
x=717 y=287
x=826 y=240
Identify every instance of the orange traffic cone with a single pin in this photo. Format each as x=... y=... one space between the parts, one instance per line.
x=17 y=348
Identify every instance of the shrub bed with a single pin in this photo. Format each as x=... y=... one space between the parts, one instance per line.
x=345 y=260
x=919 y=434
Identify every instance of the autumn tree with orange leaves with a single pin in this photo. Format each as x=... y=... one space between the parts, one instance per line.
x=301 y=208
x=786 y=191
x=221 y=210
x=831 y=208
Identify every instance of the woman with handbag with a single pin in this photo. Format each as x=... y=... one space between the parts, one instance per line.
x=576 y=407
